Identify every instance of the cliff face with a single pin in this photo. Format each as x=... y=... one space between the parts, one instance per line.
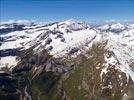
x=41 y=76
x=68 y=60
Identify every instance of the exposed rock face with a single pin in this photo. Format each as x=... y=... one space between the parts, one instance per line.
x=8 y=89
x=40 y=75
x=11 y=28
x=9 y=52
x=67 y=61
x=73 y=50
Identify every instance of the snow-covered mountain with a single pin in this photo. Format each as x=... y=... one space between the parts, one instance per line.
x=64 y=35
x=71 y=38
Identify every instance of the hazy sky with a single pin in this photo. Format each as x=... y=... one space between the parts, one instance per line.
x=52 y=10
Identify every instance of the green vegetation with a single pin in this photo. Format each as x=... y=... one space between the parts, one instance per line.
x=44 y=87
x=84 y=82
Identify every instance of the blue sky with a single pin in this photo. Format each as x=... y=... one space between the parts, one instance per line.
x=55 y=10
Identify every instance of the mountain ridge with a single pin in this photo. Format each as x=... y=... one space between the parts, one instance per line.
x=64 y=47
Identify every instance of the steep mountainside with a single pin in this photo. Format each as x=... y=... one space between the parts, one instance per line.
x=69 y=60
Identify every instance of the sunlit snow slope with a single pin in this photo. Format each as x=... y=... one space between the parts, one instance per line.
x=69 y=37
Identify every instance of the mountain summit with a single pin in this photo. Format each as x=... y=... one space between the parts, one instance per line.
x=65 y=58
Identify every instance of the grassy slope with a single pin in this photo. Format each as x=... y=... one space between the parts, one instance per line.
x=84 y=81
x=44 y=87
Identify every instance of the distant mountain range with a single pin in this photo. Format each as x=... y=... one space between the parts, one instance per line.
x=69 y=60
